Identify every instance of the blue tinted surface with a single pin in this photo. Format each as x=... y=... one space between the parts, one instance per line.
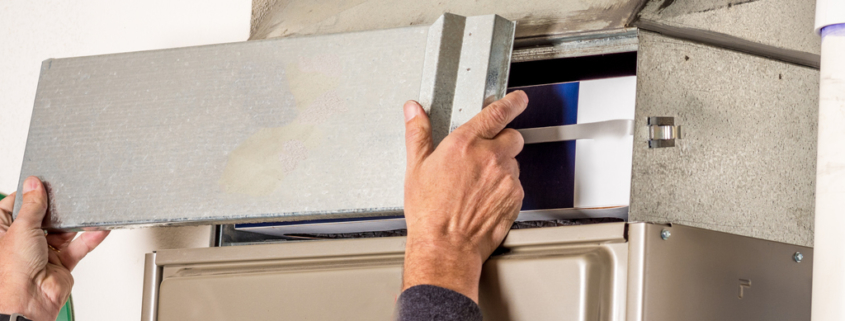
x=547 y=170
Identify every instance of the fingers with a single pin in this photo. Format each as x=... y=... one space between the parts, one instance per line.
x=512 y=167
x=60 y=240
x=7 y=204
x=80 y=247
x=34 y=205
x=493 y=118
x=509 y=142
x=417 y=133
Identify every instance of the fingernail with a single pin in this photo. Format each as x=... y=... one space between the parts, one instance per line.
x=411 y=110
x=30 y=184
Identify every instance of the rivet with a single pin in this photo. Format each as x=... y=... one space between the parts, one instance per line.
x=665 y=234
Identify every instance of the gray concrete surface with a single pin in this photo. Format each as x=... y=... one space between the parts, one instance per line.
x=283 y=18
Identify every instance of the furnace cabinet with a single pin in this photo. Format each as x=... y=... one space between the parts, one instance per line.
x=719 y=223
x=727 y=207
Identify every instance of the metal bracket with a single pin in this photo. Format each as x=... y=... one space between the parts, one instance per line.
x=662 y=132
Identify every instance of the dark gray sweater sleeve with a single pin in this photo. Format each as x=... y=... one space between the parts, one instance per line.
x=429 y=302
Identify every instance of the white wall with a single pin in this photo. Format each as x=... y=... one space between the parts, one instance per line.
x=108 y=282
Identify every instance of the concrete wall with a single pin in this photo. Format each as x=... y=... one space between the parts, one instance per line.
x=108 y=281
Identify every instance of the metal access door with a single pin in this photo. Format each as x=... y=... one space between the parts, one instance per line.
x=282 y=128
x=596 y=272
x=562 y=273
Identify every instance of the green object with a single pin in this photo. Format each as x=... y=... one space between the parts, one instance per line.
x=2 y=196
x=67 y=311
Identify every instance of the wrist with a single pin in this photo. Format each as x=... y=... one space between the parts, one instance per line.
x=10 y=309
x=13 y=317
x=451 y=264
x=12 y=301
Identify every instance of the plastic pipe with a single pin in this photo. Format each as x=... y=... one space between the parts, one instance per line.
x=829 y=254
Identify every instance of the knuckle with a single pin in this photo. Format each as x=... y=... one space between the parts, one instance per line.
x=414 y=134
x=493 y=162
x=510 y=184
x=459 y=139
x=515 y=135
x=459 y=144
x=519 y=193
x=496 y=114
x=414 y=128
x=35 y=202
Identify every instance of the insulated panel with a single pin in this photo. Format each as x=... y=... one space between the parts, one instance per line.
x=279 y=129
x=746 y=159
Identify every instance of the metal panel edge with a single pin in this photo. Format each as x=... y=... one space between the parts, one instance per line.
x=152 y=279
x=636 y=271
x=22 y=176
x=592 y=233
x=589 y=44
x=484 y=66
x=440 y=72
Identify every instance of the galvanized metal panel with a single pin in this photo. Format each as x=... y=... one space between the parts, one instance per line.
x=700 y=275
x=569 y=273
x=746 y=159
x=283 y=128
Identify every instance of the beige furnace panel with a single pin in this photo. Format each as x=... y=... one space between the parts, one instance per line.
x=565 y=273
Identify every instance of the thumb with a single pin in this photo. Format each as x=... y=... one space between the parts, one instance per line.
x=417 y=133
x=34 y=205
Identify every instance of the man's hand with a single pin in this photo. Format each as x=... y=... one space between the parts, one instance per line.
x=461 y=198
x=35 y=277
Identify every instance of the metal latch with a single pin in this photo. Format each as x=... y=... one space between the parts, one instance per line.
x=662 y=132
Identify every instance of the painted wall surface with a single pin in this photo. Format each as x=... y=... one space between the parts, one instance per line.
x=108 y=281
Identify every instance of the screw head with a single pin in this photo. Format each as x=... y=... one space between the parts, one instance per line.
x=798 y=257
x=665 y=234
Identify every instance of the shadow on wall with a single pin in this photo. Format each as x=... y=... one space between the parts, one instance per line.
x=175 y=237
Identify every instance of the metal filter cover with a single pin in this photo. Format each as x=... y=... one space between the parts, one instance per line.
x=279 y=129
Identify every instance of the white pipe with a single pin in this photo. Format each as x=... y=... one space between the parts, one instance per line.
x=829 y=12
x=829 y=254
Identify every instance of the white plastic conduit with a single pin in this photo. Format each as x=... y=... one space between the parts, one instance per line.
x=829 y=253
